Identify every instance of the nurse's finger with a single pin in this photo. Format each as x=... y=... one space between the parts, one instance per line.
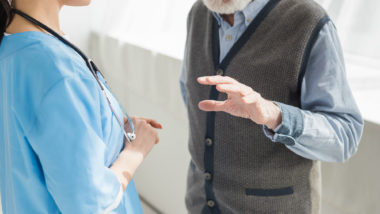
x=157 y=140
x=153 y=123
x=214 y=80
x=212 y=105
x=133 y=119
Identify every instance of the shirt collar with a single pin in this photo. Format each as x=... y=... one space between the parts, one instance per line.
x=249 y=13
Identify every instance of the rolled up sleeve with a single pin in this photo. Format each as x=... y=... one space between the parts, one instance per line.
x=329 y=125
x=291 y=127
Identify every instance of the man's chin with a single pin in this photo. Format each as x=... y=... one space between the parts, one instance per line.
x=226 y=6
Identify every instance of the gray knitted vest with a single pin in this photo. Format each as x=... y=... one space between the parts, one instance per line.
x=234 y=167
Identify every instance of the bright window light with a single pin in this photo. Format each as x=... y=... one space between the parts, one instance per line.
x=158 y=25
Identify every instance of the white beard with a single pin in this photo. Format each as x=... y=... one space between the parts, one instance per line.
x=226 y=6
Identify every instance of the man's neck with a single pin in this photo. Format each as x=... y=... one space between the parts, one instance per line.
x=229 y=18
x=45 y=11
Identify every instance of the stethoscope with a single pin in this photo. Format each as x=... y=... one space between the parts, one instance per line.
x=130 y=136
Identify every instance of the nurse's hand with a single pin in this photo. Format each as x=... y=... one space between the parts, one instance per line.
x=134 y=153
x=146 y=135
x=242 y=101
x=152 y=122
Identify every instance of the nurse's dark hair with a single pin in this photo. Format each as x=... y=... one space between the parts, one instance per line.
x=6 y=16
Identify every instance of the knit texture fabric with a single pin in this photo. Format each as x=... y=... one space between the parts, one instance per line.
x=249 y=173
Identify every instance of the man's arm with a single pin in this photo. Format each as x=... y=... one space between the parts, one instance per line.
x=329 y=126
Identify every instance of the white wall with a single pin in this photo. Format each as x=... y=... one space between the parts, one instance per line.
x=75 y=22
x=147 y=85
x=354 y=187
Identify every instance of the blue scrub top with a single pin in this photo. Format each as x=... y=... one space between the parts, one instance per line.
x=58 y=136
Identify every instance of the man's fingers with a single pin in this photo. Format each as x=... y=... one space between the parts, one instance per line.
x=238 y=89
x=214 y=80
x=226 y=85
x=212 y=105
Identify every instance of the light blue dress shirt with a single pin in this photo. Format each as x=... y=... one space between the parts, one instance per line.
x=58 y=136
x=328 y=126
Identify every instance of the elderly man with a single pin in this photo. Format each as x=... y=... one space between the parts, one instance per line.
x=267 y=99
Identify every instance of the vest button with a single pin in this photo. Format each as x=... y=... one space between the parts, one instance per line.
x=208 y=176
x=211 y=203
x=220 y=72
x=208 y=142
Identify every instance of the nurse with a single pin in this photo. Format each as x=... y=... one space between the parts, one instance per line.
x=62 y=147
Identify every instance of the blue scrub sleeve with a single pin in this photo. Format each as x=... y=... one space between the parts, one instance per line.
x=67 y=138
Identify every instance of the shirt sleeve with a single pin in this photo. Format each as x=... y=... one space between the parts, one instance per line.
x=182 y=81
x=67 y=138
x=329 y=125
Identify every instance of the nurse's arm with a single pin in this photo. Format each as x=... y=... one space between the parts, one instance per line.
x=67 y=137
x=134 y=153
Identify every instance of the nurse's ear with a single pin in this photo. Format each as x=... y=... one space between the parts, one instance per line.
x=76 y=2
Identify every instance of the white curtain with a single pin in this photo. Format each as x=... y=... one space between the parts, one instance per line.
x=158 y=25
x=161 y=24
x=358 y=24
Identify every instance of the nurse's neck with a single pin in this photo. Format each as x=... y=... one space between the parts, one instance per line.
x=45 y=11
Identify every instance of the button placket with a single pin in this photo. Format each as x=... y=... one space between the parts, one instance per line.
x=211 y=203
x=220 y=72
x=208 y=176
x=208 y=142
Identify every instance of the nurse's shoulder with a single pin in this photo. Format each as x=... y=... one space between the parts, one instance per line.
x=32 y=63
x=42 y=57
x=37 y=61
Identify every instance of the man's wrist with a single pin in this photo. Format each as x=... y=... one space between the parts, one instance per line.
x=274 y=115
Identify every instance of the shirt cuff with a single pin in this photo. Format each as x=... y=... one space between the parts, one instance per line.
x=290 y=128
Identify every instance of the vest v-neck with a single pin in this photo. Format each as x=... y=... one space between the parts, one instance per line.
x=241 y=41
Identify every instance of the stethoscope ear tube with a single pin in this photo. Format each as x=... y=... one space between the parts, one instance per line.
x=130 y=136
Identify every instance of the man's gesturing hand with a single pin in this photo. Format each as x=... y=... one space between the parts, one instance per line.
x=242 y=101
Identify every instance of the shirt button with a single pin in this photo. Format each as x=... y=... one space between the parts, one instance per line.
x=249 y=20
x=208 y=176
x=208 y=142
x=211 y=203
x=220 y=72
x=228 y=37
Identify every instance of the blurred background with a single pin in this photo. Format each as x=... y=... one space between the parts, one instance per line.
x=139 y=46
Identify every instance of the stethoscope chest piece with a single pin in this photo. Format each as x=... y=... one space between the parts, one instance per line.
x=131 y=136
